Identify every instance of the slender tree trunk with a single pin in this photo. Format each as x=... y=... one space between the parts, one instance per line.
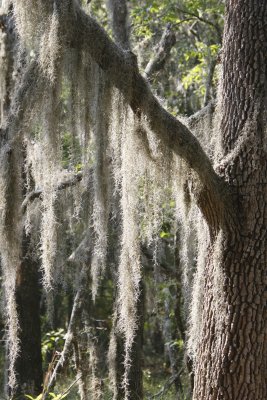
x=116 y=356
x=171 y=350
x=8 y=43
x=28 y=293
x=118 y=392
x=119 y=21
x=208 y=91
x=136 y=371
x=232 y=356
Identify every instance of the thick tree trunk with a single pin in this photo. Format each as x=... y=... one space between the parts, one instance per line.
x=29 y=362
x=232 y=356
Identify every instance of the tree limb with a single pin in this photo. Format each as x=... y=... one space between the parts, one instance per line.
x=36 y=194
x=201 y=19
x=167 y=385
x=62 y=395
x=205 y=112
x=121 y=68
x=22 y=100
x=164 y=47
x=71 y=332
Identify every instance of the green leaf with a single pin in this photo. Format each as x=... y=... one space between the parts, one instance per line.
x=34 y=398
x=165 y=234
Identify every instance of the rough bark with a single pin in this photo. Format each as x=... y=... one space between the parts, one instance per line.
x=232 y=359
x=28 y=293
x=7 y=31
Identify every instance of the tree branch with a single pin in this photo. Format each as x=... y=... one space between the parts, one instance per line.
x=71 y=332
x=22 y=100
x=164 y=47
x=206 y=112
x=167 y=385
x=36 y=194
x=121 y=68
x=201 y=19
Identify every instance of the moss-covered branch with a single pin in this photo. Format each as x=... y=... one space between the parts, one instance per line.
x=122 y=70
x=81 y=31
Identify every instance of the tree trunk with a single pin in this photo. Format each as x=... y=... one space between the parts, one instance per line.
x=232 y=355
x=28 y=366
x=135 y=388
x=119 y=21
x=116 y=356
x=29 y=362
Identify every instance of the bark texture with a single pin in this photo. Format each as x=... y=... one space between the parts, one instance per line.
x=28 y=293
x=232 y=356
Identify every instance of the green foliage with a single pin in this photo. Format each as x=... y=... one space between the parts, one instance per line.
x=52 y=396
x=197 y=75
x=198 y=26
x=53 y=341
x=154 y=383
x=179 y=343
x=71 y=152
x=168 y=218
x=58 y=396
x=34 y=398
x=154 y=13
x=99 y=11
